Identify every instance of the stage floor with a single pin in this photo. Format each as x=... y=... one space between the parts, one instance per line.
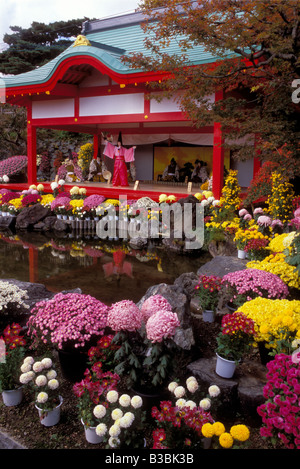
x=144 y=189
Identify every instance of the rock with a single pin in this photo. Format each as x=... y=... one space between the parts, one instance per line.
x=49 y=222
x=222 y=265
x=252 y=379
x=243 y=392
x=30 y=216
x=60 y=225
x=40 y=226
x=186 y=283
x=222 y=248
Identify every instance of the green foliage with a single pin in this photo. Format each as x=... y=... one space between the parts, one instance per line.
x=10 y=369
x=32 y=47
x=293 y=253
x=257 y=80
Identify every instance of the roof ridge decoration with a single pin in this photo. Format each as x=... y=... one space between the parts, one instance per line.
x=81 y=40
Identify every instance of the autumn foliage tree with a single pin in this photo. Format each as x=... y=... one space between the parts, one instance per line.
x=256 y=44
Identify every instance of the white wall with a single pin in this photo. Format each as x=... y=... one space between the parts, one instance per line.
x=112 y=105
x=53 y=108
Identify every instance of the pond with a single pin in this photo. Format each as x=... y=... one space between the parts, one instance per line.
x=107 y=270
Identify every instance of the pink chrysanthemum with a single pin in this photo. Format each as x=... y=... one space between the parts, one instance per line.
x=153 y=304
x=124 y=315
x=68 y=319
x=162 y=325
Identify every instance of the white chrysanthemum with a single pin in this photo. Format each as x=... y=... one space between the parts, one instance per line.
x=192 y=385
x=179 y=391
x=38 y=367
x=47 y=362
x=25 y=378
x=41 y=380
x=136 y=402
x=114 y=430
x=180 y=403
x=190 y=404
x=112 y=396
x=191 y=378
x=214 y=390
x=124 y=400
x=116 y=414
x=172 y=386
x=127 y=420
x=99 y=411
x=205 y=403
x=51 y=374
x=113 y=442
x=42 y=397
x=53 y=384
x=25 y=367
x=29 y=360
x=101 y=429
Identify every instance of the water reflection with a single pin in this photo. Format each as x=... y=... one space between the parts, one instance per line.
x=108 y=270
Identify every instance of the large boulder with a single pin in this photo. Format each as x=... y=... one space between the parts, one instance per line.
x=222 y=265
x=30 y=216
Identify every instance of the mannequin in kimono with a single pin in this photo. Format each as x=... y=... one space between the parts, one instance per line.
x=122 y=156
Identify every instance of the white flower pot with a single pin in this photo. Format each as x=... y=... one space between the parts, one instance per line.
x=241 y=254
x=65 y=217
x=225 y=368
x=52 y=417
x=208 y=315
x=12 y=397
x=59 y=216
x=91 y=435
x=71 y=217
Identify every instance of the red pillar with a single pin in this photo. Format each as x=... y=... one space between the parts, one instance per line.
x=96 y=145
x=218 y=156
x=31 y=150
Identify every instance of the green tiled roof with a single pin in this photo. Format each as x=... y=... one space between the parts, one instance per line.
x=109 y=41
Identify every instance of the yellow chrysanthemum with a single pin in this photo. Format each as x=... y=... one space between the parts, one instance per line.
x=240 y=432
x=207 y=430
x=271 y=317
x=226 y=440
x=275 y=263
x=218 y=428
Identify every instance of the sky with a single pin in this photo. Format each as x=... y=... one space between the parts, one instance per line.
x=24 y=12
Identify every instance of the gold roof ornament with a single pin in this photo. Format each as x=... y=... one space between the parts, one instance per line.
x=81 y=41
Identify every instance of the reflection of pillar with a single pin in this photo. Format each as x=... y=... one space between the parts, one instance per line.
x=33 y=265
x=218 y=156
x=256 y=160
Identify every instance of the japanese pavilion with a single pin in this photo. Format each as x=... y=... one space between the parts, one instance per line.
x=88 y=89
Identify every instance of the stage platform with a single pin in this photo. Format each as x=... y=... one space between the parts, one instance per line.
x=145 y=189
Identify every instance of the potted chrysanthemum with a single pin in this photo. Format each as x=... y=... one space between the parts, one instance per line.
x=208 y=292
x=41 y=378
x=120 y=420
x=247 y=284
x=71 y=323
x=12 y=351
x=180 y=418
x=146 y=343
x=233 y=342
x=90 y=391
